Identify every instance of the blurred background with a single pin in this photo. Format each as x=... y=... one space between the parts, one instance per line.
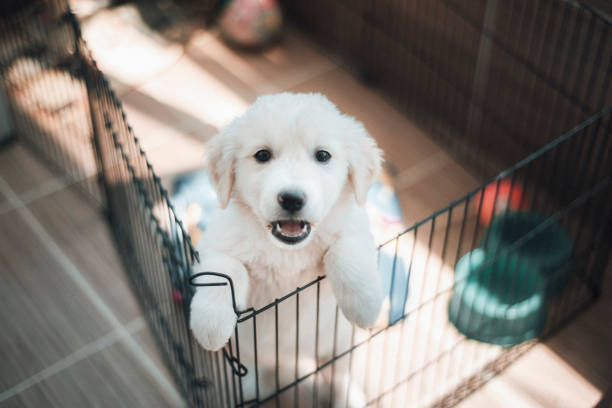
x=506 y=77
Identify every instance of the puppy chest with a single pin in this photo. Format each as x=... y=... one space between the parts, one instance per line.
x=267 y=284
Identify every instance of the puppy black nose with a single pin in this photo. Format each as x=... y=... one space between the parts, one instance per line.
x=291 y=201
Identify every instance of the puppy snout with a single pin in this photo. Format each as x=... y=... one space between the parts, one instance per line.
x=291 y=201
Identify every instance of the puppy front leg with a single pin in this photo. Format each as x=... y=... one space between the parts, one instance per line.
x=212 y=318
x=350 y=265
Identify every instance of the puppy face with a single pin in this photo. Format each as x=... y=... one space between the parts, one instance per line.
x=288 y=159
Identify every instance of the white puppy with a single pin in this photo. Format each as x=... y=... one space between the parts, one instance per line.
x=292 y=175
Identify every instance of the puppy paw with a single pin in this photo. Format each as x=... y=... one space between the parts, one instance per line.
x=212 y=321
x=350 y=264
x=362 y=309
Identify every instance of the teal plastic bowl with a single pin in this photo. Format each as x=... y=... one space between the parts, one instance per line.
x=548 y=251
x=499 y=300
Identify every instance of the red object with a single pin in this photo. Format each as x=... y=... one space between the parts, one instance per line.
x=250 y=23
x=176 y=296
x=499 y=195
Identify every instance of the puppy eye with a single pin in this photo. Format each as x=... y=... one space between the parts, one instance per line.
x=263 y=155
x=322 y=156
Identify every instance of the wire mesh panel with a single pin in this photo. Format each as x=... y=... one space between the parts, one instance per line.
x=157 y=250
x=63 y=107
x=508 y=263
x=300 y=350
x=493 y=80
x=45 y=88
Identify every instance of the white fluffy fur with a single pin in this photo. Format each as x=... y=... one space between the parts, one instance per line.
x=238 y=243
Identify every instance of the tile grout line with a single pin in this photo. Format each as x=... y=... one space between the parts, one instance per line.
x=56 y=184
x=84 y=352
x=309 y=76
x=72 y=271
x=36 y=193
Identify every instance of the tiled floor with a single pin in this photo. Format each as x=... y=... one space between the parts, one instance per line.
x=72 y=333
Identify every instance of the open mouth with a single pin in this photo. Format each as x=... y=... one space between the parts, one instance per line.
x=290 y=231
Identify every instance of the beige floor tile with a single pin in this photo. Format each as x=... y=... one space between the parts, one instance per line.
x=538 y=379
x=86 y=8
x=145 y=338
x=435 y=191
x=110 y=378
x=197 y=93
x=181 y=154
x=201 y=36
x=83 y=234
x=126 y=49
x=155 y=122
x=584 y=344
x=281 y=66
x=212 y=84
x=22 y=170
x=44 y=314
x=403 y=143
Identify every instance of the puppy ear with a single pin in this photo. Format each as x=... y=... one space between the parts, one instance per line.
x=219 y=161
x=364 y=162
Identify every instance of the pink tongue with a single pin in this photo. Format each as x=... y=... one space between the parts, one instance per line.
x=291 y=228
